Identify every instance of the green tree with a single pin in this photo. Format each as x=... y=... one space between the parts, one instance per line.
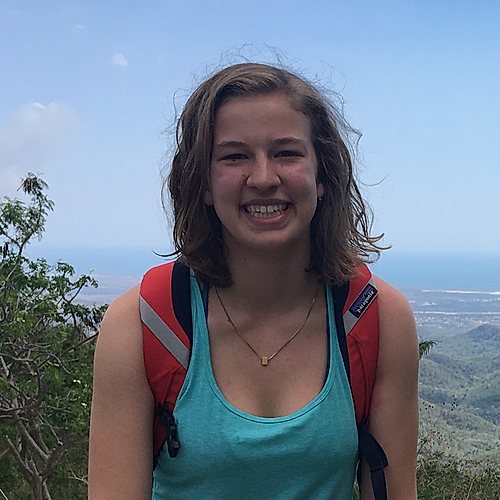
x=424 y=346
x=46 y=350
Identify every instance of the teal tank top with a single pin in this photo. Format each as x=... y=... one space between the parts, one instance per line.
x=229 y=454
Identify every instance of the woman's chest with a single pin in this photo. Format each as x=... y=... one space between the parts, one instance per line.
x=290 y=380
x=270 y=367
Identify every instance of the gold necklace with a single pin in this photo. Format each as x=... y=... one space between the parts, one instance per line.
x=265 y=359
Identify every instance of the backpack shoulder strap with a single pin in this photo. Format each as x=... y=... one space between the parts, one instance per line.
x=360 y=319
x=167 y=334
x=358 y=337
x=357 y=330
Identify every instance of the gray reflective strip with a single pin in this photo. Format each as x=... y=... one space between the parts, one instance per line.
x=163 y=333
x=349 y=321
x=349 y=318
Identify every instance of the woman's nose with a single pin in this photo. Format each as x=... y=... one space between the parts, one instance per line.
x=264 y=174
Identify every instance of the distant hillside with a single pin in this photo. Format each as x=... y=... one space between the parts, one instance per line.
x=457 y=432
x=483 y=333
x=481 y=342
x=460 y=391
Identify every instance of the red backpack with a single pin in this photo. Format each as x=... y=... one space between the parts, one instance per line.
x=165 y=306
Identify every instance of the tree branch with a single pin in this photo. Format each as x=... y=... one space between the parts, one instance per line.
x=23 y=467
x=55 y=456
x=37 y=436
x=4 y=453
x=17 y=421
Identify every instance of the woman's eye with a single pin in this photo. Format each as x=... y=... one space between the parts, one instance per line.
x=234 y=157
x=287 y=154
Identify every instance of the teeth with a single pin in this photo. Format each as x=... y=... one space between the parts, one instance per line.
x=265 y=210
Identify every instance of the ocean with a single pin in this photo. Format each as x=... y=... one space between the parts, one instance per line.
x=444 y=270
x=117 y=269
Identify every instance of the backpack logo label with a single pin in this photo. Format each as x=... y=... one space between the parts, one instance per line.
x=365 y=298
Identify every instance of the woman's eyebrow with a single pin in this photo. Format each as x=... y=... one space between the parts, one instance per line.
x=230 y=144
x=282 y=141
x=288 y=140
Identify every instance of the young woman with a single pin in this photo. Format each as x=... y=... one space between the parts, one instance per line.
x=270 y=220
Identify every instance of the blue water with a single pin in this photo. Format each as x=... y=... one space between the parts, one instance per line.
x=121 y=261
x=451 y=270
x=460 y=271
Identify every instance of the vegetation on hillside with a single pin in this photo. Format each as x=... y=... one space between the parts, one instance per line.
x=46 y=351
x=453 y=479
x=459 y=446
x=461 y=402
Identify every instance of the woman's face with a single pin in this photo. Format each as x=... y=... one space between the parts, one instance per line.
x=263 y=173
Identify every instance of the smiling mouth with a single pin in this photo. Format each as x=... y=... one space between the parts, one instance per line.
x=265 y=211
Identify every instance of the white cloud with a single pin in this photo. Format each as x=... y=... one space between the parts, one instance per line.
x=119 y=60
x=36 y=134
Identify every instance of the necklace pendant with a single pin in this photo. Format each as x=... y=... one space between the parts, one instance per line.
x=265 y=359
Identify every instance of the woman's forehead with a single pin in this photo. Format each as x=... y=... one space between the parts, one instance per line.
x=261 y=114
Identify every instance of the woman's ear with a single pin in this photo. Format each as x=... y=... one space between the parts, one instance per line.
x=320 y=190
x=209 y=198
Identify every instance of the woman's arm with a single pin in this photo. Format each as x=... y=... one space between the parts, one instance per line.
x=120 y=453
x=394 y=407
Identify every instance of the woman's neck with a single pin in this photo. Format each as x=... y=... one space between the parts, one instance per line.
x=264 y=280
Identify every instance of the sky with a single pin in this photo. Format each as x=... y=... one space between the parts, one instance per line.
x=89 y=92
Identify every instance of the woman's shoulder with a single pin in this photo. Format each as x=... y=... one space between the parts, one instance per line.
x=391 y=302
x=398 y=337
x=124 y=307
x=121 y=330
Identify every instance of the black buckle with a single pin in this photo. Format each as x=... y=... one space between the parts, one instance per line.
x=168 y=421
